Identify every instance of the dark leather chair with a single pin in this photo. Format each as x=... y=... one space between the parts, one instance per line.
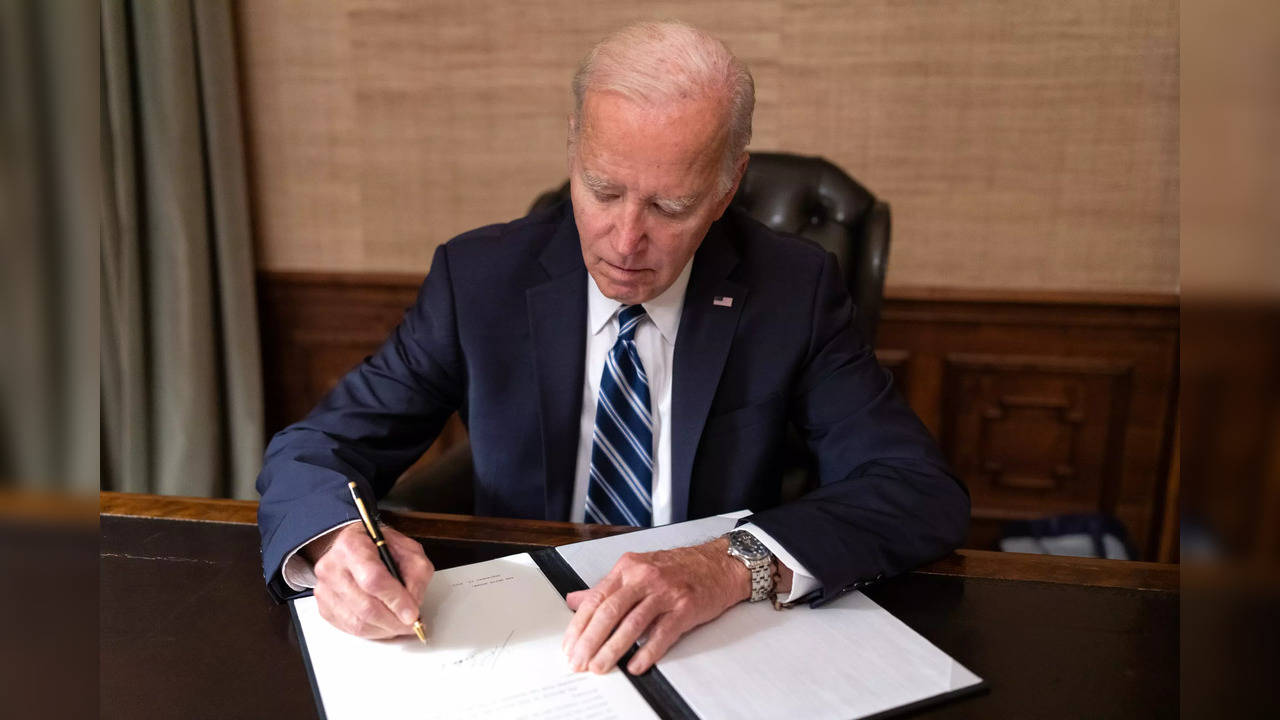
x=806 y=196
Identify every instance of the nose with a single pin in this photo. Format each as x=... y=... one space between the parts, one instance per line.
x=629 y=236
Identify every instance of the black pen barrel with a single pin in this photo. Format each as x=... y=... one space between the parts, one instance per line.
x=391 y=565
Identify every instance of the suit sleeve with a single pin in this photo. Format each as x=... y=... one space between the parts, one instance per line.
x=375 y=423
x=886 y=500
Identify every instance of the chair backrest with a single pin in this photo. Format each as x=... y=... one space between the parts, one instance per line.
x=810 y=197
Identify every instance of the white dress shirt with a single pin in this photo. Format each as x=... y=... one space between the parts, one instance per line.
x=655 y=338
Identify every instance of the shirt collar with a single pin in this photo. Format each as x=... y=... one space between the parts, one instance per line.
x=663 y=310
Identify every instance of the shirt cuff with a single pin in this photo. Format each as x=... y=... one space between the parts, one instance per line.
x=297 y=571
x=802 y=581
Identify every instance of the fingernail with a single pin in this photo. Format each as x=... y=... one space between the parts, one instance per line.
x=578 y=663
x=634 y=667
x=407 y=617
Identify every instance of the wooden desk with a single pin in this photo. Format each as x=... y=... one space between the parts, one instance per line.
x=187 y=628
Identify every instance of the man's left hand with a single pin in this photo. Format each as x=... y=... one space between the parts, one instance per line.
x=667 y=593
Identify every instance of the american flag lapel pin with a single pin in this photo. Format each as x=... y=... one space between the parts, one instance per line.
x=722 y=301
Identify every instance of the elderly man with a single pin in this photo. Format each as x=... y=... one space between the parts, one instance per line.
x=630 y=357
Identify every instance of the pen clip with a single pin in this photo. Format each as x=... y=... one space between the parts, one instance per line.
x=364 y=511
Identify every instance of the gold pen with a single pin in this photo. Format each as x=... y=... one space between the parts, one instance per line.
x=383 y=551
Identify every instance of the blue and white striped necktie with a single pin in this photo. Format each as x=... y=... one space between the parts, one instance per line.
x=620 y=491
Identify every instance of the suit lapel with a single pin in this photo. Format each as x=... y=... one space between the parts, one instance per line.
x=557 y=318
x=702 y=345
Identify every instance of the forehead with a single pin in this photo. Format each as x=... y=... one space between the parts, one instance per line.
x=621 y=137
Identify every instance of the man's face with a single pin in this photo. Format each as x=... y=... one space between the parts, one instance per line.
x=644 y=187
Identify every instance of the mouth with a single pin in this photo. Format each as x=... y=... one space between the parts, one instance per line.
x=622 y=272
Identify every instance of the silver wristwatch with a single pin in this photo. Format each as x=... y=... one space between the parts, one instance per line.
x=744 y=546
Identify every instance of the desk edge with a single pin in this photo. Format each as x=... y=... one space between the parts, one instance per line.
x=984 y=564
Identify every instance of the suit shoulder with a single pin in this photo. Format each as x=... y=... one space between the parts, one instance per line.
x=504 y=255
x=516 y=240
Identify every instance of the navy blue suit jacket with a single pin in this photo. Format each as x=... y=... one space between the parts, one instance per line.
x=498 y=334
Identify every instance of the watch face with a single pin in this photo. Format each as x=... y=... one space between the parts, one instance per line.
x=746 y=545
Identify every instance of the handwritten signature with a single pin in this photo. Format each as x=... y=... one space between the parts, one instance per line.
x=482 y=659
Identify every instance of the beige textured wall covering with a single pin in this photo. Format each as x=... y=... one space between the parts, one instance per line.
x=1028 y=144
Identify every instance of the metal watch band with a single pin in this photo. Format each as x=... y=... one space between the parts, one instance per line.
x=759 y=561
x=761 y=580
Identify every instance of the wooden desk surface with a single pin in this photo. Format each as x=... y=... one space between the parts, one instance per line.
x=187 y=628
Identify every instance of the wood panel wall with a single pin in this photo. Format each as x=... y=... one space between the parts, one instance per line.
x=1044 y=403
x=1022 y=143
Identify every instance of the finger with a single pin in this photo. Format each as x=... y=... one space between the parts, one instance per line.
x=603 y=621
x=666 y=630
x=415 y=568
x=587 y=601
x=373 y=579
x=575 y=598
x=626 y=634
x=349 y=609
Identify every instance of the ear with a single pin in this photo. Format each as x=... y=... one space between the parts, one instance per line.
x=738 y=171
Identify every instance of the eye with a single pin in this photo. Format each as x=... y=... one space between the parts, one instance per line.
x=665 y=211
x=605 y=196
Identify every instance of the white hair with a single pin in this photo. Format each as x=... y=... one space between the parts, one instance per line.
x=658 y=63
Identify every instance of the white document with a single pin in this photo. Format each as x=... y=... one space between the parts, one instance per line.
x=494 y=631
x=593 y=559
x=848 y=659
x=494 y=651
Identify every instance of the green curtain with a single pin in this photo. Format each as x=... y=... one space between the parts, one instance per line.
x=48 y=251
x=181 y=398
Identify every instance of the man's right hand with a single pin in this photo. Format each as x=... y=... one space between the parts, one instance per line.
x=357 y=594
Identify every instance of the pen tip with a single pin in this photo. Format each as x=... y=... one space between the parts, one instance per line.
x=422 y=634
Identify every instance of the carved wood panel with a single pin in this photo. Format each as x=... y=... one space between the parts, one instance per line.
x=1046 y=403
x=1036 y=435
